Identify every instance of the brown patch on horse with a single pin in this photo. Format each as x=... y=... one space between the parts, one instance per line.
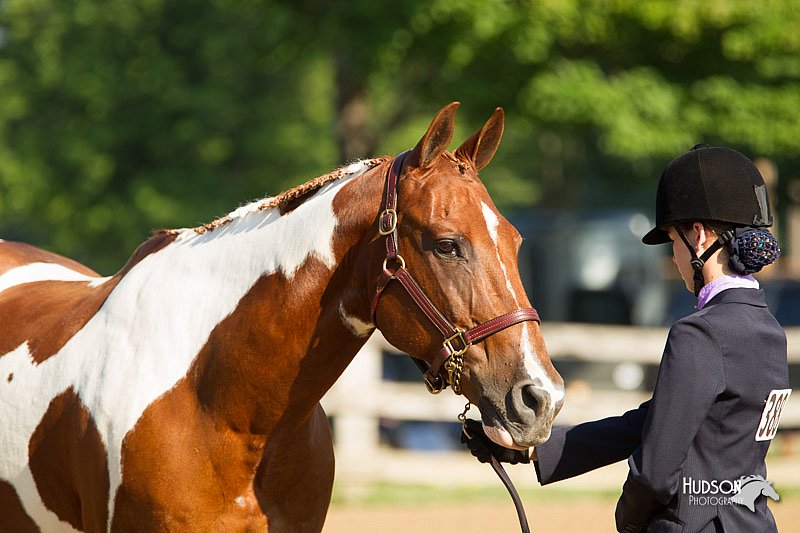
x=16 y=254
x=175 y=441
x=13 y=516
x=183 y=469
x=47 y=314
x=69 y=464
x=155 y=243
x=222 y=429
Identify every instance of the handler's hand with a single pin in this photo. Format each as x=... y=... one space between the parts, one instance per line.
x=482 y=447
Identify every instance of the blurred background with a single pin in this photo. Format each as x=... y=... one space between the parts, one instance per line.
x=119 y=117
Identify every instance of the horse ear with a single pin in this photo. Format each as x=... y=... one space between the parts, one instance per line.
x=481 y=147
x=436 y=139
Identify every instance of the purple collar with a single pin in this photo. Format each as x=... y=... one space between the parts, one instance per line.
x=731 y=281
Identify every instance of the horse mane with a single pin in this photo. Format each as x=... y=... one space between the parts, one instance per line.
x=285 y=202
x=288 y=200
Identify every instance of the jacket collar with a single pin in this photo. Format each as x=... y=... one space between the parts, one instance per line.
x=753 y=297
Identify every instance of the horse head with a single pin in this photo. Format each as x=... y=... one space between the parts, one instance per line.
x=768 y=490
x=463 y=254
x=751 y=487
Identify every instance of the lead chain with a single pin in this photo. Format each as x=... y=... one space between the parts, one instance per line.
x=454 y=365
x=463 y=419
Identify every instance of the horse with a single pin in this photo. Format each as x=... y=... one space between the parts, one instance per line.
x=751 y=487
x=182 y=393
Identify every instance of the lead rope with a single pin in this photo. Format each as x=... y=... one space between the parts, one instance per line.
x=502 y=474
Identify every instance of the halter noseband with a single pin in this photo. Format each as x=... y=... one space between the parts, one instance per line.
x=456 y=340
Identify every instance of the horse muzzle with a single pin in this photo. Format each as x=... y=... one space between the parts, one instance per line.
x=524 y=417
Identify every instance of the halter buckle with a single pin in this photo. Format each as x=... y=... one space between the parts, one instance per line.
x=391 y=221
x=448 y=344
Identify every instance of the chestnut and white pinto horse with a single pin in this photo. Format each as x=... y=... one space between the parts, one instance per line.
x=182 y=393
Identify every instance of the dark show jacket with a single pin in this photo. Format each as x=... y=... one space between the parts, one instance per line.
x=717 y=370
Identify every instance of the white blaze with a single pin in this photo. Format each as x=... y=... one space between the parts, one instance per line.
x=530 y=361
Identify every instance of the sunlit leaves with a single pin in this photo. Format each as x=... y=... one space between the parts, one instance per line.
x=119 y=116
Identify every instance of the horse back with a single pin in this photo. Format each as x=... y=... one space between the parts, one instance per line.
x=16 y=254
x=45 y=298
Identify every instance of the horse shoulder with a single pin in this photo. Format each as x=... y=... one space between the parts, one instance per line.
x=295 y=479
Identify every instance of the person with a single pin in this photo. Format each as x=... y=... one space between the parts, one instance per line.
x=723 y=375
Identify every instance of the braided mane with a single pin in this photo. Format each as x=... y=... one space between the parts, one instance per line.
x=287 y=200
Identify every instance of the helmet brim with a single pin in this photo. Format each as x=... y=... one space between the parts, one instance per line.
x=656 y=236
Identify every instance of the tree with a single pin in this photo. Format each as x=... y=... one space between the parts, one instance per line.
x=600 y=95
x=120 y=117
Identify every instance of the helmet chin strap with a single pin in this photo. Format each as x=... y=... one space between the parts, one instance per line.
x=698 y=262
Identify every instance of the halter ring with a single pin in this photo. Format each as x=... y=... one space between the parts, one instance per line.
x=388 y=272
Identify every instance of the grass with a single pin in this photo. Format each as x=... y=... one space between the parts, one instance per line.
x=387 y=494
x=384 y=494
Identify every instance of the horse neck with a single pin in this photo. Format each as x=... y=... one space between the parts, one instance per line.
x=295 y=288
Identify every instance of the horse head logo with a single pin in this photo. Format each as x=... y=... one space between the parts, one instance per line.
x=751 y=488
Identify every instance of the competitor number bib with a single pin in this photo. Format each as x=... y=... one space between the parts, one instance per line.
x=771 y=416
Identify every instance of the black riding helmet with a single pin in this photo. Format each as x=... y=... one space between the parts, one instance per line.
x=709 y=183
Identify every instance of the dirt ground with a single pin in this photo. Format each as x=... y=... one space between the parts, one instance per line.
x=578 y=515
x=473 y=501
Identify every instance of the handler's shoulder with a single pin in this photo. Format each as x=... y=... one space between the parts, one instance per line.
x=696 y=327
x=698 y=319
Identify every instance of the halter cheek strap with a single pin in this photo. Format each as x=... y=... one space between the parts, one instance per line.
x=699 y=262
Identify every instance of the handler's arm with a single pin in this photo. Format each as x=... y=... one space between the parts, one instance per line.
x=575 y=450
x=689 y=380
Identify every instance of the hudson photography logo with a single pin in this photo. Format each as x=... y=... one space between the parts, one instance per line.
x=743 y=491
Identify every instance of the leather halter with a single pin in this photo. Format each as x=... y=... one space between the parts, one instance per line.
x=456 y=340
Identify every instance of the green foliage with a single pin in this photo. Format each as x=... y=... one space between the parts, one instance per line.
x=122 y=116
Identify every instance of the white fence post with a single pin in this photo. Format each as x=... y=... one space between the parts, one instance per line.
x=353 y=402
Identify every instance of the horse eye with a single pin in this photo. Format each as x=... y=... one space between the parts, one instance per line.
x=447 y=248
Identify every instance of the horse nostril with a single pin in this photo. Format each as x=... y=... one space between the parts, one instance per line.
x=536 y=399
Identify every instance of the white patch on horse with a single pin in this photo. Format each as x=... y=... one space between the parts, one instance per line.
x=35 y=507
x=153 y=324
x=240 y=501
x=492 y=223
x=530 y=361
x=358 y=327
x=41 y=272
x=96 y=282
